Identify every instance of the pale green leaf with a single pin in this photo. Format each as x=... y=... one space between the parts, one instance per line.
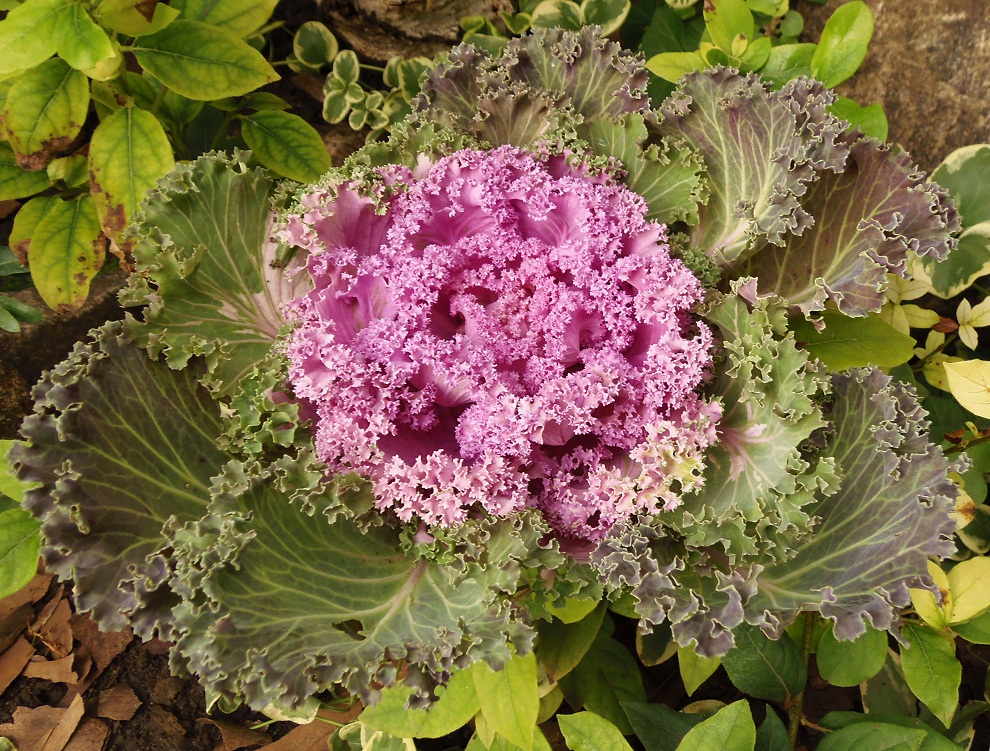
x=932 y=671
x=855 y=342
x=969 y=382
x=25 y=35
x=730 y=729
x=586 y=731
x=202 y=62
x=287 y=145
x=969 y=583
x=128 y=154
x=81 y=42
x=849 y=663
x=694 y=668
x=15 y=181
x=19 y=544
x=510 y=699
x=456 y=704
x=240 y=17
x=66 y=252
x=844 y=42
x=45 y=110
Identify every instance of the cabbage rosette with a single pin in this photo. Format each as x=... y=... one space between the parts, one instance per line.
x=534 y=350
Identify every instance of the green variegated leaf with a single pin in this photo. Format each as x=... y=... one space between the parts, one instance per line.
x=25 y=35
x=202 y=62
x=287 y=145
x=556 y=14
x=119 y=444
x=205 y=259
x=66 y=251
x=44 y=111
x=609 y=14
x=128 y=153
x=240 y=17
x=15 y=181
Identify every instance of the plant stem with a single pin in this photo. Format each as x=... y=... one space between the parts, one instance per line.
x=795 y=710
x=162 y=92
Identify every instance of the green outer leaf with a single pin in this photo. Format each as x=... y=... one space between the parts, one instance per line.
x=45 y=110
x=119 y=444
x=128 y=154
x=564 y=645
x=765 y=668
x=730 y=729
x=19 y=544
x=7 y=320
x=607 y=676
x=130 y=16
x=202 y=62
x=976 y=631
x=934 y=741
x=201 y=238
x=874 y=736
x=66 y=252
x=932 y=670
x=673 y=66
x=586 y=731
x=25 y=35
x=788 y=61
x=287 y=145
x=510 y=699
x=240 y=17
x=21 y=312
x=849 y=663
x=694 y=668
x=855 y=342
x=726 y=20
x=657 y=726
x=870 y=119
x=772 y=735
x=81 y=42
x=16 y=182
x=844 y=43
x=456 y=704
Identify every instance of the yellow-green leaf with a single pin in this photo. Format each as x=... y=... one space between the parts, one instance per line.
x=730 y=729
x=135 y=17
x=855 y=342
x=25 y=35
x=931 y=670
x=510 y=699
x=45 y=111
x=81 y=42
x=925 y=603
x=586 y=731
x=969 y=583
x=287 y=145
x=573 y=609
x=66 y=252
x=128 y=153
x=202 y=62
x=16 y=182
x=694 y=668
x=241 y=17
x=969 y=382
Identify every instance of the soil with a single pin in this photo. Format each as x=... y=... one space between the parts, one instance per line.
x=129 y=699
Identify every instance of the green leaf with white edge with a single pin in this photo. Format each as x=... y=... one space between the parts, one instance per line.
x=788 y=61
x=772 y=735
x=346 y=67
x=965 y=173
x=730 y=729
x=134 y=17
x=45 y=110
x=240 y=17
x=673 y=66
x=976 y=631
x=510 y=699
x=81 y=42
x=26 y=221
x=609 y=14
x=586 y=731
x=15 y=181
x=201 y=244
x=607 y=676
x=551 y=14
x=564 y=645
x=965 y=264
x=726 y=20
x=20 y=541
x=874 y=736
x=202 y=62
x=766 y=668
x=129 y=152
x=25 y=35
x=870 y=119
x=932 y=670
x=287 y=145
x=843 y=44
x=66 y=252
x=969 y=583
x=935 y=612
x=849 y=663
x=969 y=383
x=847 y=342
x=694 y=668
x=315 y=45
x=657 y=726
x=456 y=704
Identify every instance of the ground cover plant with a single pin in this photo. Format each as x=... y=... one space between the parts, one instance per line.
x=545 y=364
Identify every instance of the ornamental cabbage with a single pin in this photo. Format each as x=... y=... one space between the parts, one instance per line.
x=535 y=348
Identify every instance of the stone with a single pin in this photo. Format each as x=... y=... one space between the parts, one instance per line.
x=928 y=65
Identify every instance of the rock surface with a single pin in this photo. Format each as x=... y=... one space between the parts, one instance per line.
x=929 y=66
